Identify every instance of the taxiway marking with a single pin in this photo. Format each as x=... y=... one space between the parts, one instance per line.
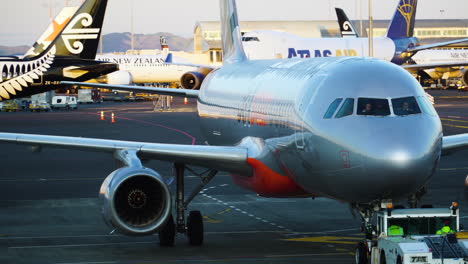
x=203 y=193
x=326 y=239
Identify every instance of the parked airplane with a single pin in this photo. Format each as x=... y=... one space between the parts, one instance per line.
x=397 y=46
x=347 y=28
x=70 y=57
x=430 y=63
x=144 y=69
x=333 y=133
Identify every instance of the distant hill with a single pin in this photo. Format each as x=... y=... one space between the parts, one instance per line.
x=8 y=51
x=120 y=42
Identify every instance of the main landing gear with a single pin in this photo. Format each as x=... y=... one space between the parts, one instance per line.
x=193 y=227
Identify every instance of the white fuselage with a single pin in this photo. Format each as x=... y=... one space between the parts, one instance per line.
x=442 y=56
x=147 y=68
x=271 y=44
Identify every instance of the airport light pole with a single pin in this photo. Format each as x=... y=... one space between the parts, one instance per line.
x=131 y=26
x=371 y=31
x=360 y=17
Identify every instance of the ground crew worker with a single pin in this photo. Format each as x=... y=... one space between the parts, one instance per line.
x=395 y=230
x=444 y=230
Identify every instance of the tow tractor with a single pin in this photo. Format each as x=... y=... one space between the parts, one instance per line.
x=416 y=235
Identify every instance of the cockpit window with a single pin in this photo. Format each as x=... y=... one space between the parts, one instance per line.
x=346 y=109
x=426 y=105
x=250 y=39
x=332 y=108
x=373 y=107
x=405 y=106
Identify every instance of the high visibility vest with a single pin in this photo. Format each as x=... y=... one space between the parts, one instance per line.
x=444 y=230
x=395 y=230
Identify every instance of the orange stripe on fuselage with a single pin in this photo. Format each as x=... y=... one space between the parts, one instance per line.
x=268 y=183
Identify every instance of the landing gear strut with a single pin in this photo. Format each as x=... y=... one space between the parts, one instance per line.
x=362 y=249
x=415 y=199
x=193 y=227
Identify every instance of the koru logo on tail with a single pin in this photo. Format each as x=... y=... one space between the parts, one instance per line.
x=348 y=29
x=70 y=33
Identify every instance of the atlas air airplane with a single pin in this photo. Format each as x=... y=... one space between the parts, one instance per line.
x=430 y=63
x=334 y=132
x=70 y=56
x=397 y=46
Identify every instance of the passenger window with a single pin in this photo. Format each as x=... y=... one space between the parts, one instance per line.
x=373 y=107
x=332 y=108
x=405 y=106
x=346 y=109
x=245 y=39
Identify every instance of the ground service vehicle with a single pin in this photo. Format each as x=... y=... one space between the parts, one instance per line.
x=64 y=101
x=11 y=106
x=89 y=96
x=39 y=106
x=420 y=239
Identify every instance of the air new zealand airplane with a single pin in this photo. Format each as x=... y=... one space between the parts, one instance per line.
x=69 y=57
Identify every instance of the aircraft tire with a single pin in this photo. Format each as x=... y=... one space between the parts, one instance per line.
x=167 y=234
x=383 y=260
x=195 y=228
x=361 y=254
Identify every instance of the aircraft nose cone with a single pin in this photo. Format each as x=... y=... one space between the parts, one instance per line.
x=399 y=162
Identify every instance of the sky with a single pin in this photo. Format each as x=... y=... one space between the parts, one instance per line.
x=23 y=21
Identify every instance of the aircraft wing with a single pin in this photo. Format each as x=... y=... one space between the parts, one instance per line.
x=142 y=89
x=436 y=45
x=232 y=159
x=454 y=143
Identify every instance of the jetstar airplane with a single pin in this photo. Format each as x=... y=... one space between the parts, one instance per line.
x=397 y=46
x=430 y=63
x=70 y=57
x=333 y=133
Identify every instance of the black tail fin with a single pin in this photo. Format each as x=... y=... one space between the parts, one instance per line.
x=80 y=36
x=346 y=27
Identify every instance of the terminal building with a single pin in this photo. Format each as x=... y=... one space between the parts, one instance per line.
x=207 y=34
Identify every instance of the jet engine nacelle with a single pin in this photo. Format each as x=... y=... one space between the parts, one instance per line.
x=465 y=76
x=135 y=201
x=193 y=80
x=118 y=77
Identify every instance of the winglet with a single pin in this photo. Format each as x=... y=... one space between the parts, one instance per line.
x=346 y=27
x=231 y=35
x=402 y=24
x=168 y=58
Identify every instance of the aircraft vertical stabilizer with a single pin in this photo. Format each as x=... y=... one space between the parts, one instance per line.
x=402 y=24
x=80 y=37
x=346 y=27
x=231 y=35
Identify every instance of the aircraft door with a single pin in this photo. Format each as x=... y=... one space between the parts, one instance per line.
x=299 y=124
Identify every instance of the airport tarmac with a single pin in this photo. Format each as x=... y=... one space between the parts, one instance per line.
x=49 y=211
